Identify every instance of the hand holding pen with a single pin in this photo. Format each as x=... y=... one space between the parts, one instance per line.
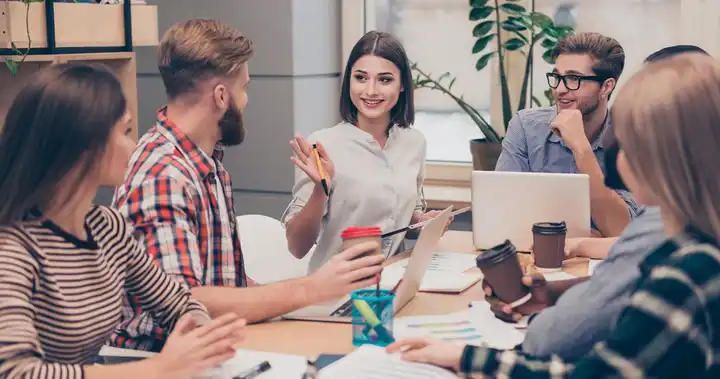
x=314 y=161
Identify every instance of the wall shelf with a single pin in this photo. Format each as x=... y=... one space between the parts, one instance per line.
x=64 y=32
x=77 y=27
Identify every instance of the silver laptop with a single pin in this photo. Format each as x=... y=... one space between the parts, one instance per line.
x=341 y=310
x=505 y=205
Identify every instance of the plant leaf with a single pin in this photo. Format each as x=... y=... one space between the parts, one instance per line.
x=422 y=82
x=521 y=36
x=451 y=83
x=547 y=57
x=483 y=28
x=12 y=66
x=541 y=20
x=521 y=20
x=478 y=3
x=477 y=14
x=564 y=31
x=512 y=26
x=483 y=61
x=514 y=44
x=548 y=43
x=552 y=32
x=482 y=43
x=512 y=8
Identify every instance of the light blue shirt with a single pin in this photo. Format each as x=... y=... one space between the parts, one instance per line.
x=586 y=313
x=530 y=146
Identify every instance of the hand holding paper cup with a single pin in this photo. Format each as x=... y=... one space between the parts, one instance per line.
x=502 y=271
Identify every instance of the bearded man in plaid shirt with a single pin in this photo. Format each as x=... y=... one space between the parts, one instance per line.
x=178 y=194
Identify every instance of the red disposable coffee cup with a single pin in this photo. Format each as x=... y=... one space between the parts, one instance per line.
x=358 y=234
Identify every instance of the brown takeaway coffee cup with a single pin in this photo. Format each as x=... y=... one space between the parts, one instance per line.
x=549 y=245
x=501 y=268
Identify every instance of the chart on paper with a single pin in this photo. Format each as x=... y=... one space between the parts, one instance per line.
x=470 y=327
x=450 y=330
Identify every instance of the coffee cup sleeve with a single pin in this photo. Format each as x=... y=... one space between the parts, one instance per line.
x=521 y=301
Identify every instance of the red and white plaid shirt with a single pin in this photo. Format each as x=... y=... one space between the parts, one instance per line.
x=170 y=195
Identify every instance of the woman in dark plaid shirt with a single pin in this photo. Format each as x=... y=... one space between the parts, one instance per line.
x=668 y=117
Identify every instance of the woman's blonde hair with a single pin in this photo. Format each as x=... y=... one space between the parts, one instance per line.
x=667 y=120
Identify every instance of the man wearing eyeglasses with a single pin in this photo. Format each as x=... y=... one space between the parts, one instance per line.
x=567 y=138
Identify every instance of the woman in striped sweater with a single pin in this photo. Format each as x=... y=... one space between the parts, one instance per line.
x=65 y=264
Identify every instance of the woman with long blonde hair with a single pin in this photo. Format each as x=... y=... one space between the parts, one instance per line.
x=667 y=121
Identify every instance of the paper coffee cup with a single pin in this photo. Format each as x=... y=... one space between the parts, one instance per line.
x=355 y=235
x=502 y=270
x=549 y=245
x=358 y=234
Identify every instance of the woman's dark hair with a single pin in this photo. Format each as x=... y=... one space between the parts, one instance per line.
x=60 y=120
x=386 y=46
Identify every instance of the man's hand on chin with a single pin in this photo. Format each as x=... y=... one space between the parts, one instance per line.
x=569 y=125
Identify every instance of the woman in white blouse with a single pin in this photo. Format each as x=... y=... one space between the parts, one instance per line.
x=376 y=172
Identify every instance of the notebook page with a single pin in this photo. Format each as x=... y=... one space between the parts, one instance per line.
x=372 y=362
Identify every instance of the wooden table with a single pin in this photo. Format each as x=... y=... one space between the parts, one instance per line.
x=312 y=338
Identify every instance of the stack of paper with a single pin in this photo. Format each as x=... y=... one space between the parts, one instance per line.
x=445 y=273
x=471 y=327
x=282 y=366
x=372 y=362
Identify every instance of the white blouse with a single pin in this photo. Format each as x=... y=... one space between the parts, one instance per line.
x=372 y=186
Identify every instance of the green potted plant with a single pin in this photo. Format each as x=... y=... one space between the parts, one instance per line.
x=495 y=22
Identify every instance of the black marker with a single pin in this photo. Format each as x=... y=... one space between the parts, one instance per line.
x=255 y=371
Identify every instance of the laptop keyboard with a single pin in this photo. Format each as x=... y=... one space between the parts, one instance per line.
x=344 y=310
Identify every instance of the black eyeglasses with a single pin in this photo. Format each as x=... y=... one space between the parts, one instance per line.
x=572 y=82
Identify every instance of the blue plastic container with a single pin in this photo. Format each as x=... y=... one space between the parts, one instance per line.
x=372 y=317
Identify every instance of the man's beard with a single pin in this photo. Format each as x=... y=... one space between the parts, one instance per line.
x=587 y=109
x=232 y=130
